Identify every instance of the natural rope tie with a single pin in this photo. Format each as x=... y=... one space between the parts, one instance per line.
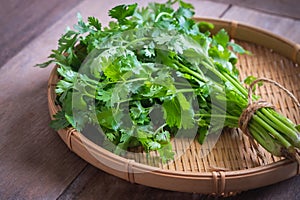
x=274 y=83
x=252 y=107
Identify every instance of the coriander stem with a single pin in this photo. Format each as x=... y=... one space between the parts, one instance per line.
x=266 y=141
x=160 y=128
x=191 y=72
x=162 y=14
x=283 y=120
x=284 y=129
x=217 y=116
x=136 y=41
x=184 y=90
x=272 y=131
x=236 y=84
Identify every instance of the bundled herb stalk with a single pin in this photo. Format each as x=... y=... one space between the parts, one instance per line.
x=154 y=73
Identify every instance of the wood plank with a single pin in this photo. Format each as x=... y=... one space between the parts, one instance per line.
x=92 y=184
x=209 y=9
x=287 y=8
x=21 y=21
x=95 y=184
x=35 y=163
x=288 y=189
x=286 y=27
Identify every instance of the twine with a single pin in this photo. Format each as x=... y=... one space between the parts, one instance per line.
x=219 y=183
x=274 y=83
x=70 y=133
x=252 y=107
x=129 y=170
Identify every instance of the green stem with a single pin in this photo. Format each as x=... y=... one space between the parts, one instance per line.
x=185 y=90
x=162 y=14
x=217 y=116
x=293 y=137
x=186 y=84
x=225 y=77
x=260 y=128
x=272 y=131
x=266 y=141
x=283 y=119
x=267 y=120
x=136 y=41
x=237 y=84
x=130 y=80
x=159 y=128
x=191 y=72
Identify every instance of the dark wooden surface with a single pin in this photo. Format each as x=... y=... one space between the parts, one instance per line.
x=21 y=21
x=285 y=8
x=34 y=162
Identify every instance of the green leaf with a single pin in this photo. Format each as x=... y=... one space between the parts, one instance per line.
x=78 y=101
x=81 y=26
x=45 y=64
x=187 y=119
x=163 y=137
x=184 y=104
x=184 y=12
x=178 y=113
x=121 y=12
x=125 y=138
x=238 y=49
x=203 y=132
x=67 y=41
x=93 y=21
x=166 y=153
x=298 y=127
x=186 y=5
x=205 y=26
x=68 y=74
x=59 y=121
x=63 y=86
x=105 y=95
x=139 y=114
x=172 y=113
x=221 y=38
x=154 y=145
x=110 y=118
x=110 y=136
x=249 y=80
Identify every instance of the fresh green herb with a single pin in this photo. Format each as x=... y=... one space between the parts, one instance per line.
x=152 y=73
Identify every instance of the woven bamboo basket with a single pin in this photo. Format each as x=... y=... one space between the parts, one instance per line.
x=232 y=165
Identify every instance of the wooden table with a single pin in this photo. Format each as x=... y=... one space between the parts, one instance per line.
x=34 y=162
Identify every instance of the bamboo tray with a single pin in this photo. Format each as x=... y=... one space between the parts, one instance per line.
x=232 y=165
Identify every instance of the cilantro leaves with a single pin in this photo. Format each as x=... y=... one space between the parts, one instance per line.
x=148 y=74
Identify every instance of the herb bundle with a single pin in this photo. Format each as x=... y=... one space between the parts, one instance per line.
x=153 y=72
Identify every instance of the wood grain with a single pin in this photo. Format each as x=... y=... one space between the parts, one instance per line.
x=34 y=163
x=22 y=21
x=288 y=190
x=286 y=27
x=285 y=8
x=95 y=184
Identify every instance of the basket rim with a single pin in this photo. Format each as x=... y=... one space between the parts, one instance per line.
x=236 y=31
